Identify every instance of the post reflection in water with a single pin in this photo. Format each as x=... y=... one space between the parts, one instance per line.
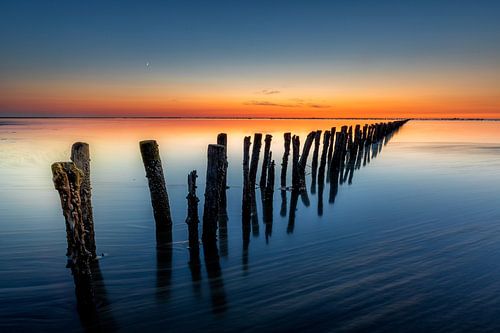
x=163 y=264
x=94 y=309
x=214 y=274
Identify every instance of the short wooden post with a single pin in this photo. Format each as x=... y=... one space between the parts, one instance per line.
x=215 y=176
x=192 y=216
x=157 y=186
x=330 y=152
x=257 y=144
x=222 y=140
x=324 y=152
x=284 y=164
x=80 y=155
x=67 y=180
x=295 y=162
x=314 y=166
x=265 y=160
x=245 y=209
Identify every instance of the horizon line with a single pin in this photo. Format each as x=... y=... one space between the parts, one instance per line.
x=247 y=118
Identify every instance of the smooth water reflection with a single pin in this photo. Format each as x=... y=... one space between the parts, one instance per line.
x=408 y=242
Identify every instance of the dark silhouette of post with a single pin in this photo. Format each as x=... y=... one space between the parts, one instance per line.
x=265 y=160
x=222 y=140
x=257 y=144
x=284 y=164
x=192 y=219
x=67 y=180
x=303 y=158
x=157 y=186
x=213 y=189
x=314 y=166
x=80 y=155
x=295 y=163
x=330 y=152
x=245 y=206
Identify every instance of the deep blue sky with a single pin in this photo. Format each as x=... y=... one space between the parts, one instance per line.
x=111 y=40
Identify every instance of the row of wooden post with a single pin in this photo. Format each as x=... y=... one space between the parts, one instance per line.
x=72 y=180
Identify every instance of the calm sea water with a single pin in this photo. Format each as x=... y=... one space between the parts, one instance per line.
x=413 y=244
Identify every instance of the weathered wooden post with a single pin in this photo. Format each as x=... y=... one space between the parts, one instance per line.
x=303 y=158
x=213 y=189
x=330 y=152
x=245 y=208
x=284 y=164
x=322 y=164
x=192 y=219
x=265 y=160
x=223 y=218
x=257 y=144
x=67 y=180
x=222 y=140
x=337 y=155
x=80 y=155
x=157 y=186
x=295 y=163
x=314 y=165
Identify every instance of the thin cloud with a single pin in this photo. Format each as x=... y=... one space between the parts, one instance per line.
x=269 y=92
x=290 y=105
x=267 y=103
x=318 y=106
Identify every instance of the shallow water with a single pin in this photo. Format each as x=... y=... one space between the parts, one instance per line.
x=413 y=244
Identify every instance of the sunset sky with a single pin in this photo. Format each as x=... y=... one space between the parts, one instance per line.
x=250 y=58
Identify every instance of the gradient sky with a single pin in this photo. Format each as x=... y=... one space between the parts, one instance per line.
x=250 y=58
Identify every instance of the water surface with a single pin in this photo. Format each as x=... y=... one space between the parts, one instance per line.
x=412 y=244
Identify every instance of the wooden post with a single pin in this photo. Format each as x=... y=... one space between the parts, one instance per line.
x=265 y=160
x=245 y=209
x=314 y=166
x=305 y=150
x=322 y=164
x=67 y=180
x=222 y=140
x=157 y=186
x=337 y=155
x=213 y=189
x=192 y=216
x=295 y=162
x=80 y=155
x=330 y=152
x=257 y=144
x=284 y=164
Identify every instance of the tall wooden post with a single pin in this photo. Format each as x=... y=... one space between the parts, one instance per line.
x=222 y=140
x=303 y=158
x=157 y=186
x=284 y=164
x=265 y=160
x=314 y=166
x=295 y=162
x=192 y=216
x=245 y=208
x=257 y=144
x=67 y=180
x=215 y=176
x=80 y=155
